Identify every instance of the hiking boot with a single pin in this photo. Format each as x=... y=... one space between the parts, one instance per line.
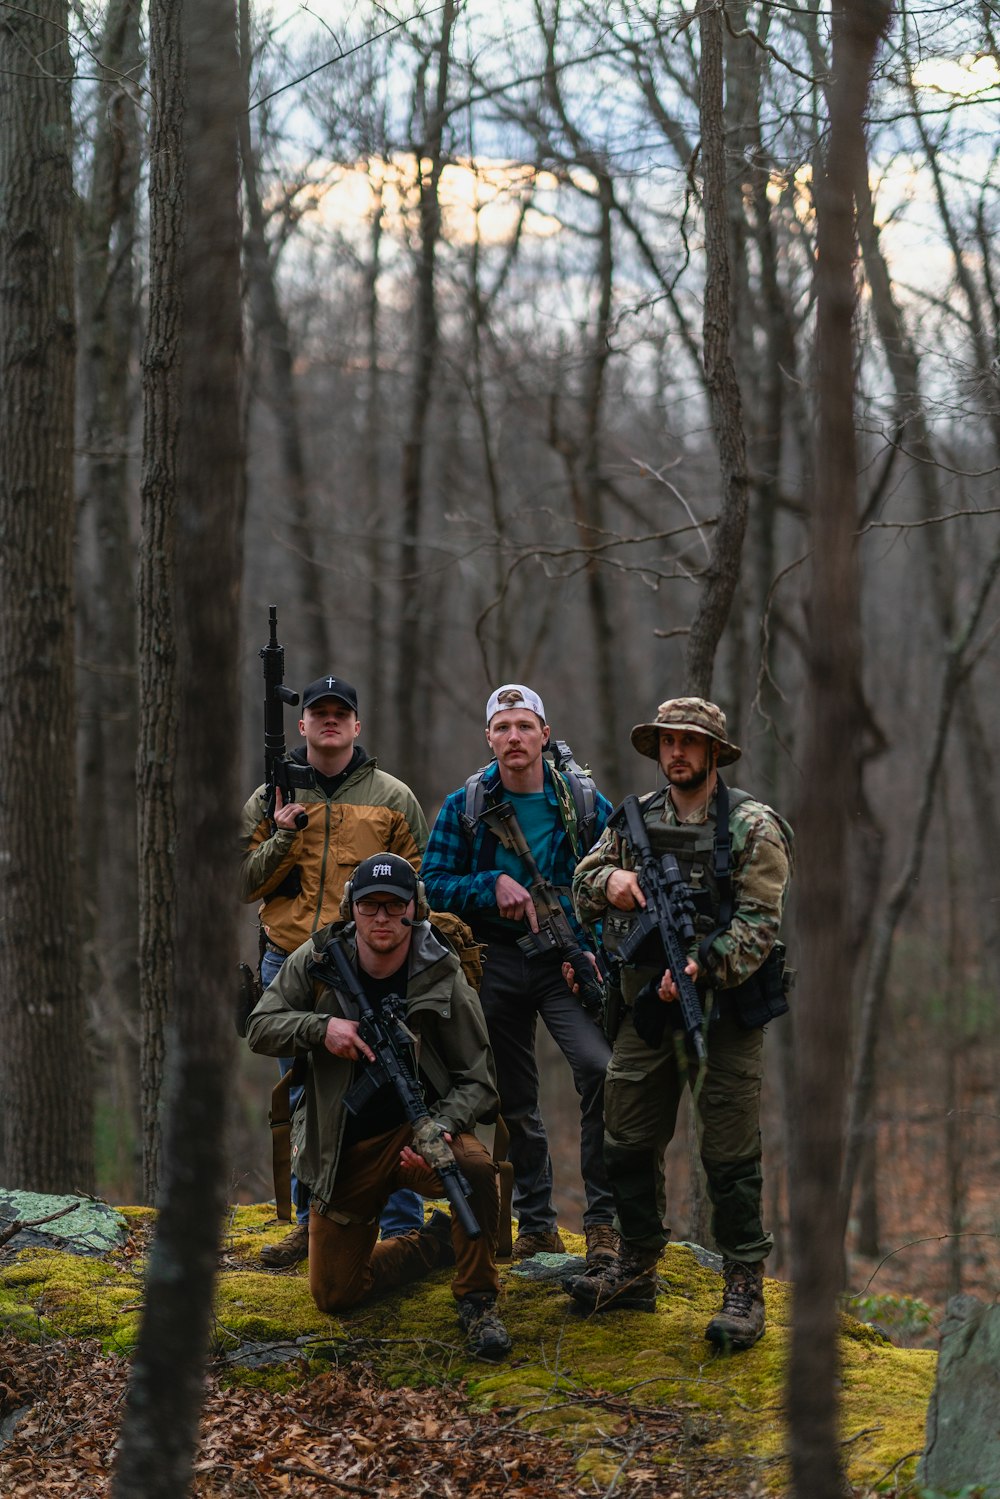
x=288 y=1251
x=437 y=1230
x=485 y=1334
x=603 y=1245
x=741 y=1321
x=626 y=1284
x=525 y=1245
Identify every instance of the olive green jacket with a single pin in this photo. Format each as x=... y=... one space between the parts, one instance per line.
x=442 y=1010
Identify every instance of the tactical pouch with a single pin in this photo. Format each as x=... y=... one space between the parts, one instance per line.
x=764 y=996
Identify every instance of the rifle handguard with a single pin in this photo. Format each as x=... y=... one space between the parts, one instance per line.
x=429 y=1142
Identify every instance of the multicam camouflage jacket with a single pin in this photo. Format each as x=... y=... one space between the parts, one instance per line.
x=761 y=843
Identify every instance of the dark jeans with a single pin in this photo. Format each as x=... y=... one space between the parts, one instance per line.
x=516 y=992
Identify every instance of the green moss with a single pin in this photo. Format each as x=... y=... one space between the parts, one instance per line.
x=567 y=1375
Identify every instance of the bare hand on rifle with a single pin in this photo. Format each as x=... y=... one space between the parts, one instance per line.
x=514 y=902
x=342 y=1040
x=285 y=813
x=623 y=891
x=668 y=989
x=570 y=976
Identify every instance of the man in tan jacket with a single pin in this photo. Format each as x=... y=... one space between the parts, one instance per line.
x=298 y=873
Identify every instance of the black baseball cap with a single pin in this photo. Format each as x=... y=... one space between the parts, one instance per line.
x=331 y=687
x=384 y=874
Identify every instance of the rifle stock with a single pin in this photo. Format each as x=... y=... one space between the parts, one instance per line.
x=666 y=927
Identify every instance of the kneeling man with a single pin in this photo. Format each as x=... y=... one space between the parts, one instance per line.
x=355 y=1148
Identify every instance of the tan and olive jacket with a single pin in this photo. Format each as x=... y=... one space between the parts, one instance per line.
x=442 y=1010
x=299 y=876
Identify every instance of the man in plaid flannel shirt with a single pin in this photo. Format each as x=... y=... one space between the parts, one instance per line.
x=467 y=871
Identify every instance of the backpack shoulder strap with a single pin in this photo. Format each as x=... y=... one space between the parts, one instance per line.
x=475 y=801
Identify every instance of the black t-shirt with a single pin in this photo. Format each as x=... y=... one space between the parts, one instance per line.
x=330 y=784
x=384 y=1110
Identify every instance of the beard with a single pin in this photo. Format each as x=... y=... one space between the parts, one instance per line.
x=688 y=780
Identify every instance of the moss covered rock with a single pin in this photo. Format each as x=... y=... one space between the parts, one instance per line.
x=578 y=1377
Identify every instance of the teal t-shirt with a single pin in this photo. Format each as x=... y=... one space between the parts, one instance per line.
x=538 y=820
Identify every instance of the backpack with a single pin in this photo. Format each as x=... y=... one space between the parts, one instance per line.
x=577 y=777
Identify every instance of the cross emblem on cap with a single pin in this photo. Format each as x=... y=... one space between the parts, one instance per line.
x=329 y=681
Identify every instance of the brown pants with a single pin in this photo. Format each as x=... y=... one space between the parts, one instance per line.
x=347 y=1262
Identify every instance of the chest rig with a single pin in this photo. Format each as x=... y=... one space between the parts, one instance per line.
x=704 y=854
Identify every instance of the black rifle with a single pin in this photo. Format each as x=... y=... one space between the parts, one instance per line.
x=387 y=1036
x=281 y=773
x=665 y=929
x=555 y=933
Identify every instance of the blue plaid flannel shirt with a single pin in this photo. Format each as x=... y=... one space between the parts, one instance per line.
x=448 y=867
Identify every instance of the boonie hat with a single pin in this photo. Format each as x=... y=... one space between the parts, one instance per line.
x=330 y=687
x=514 y=695
x=695 y=714
x=384 y=874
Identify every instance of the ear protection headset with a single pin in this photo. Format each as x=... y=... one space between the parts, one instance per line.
x=421 y=911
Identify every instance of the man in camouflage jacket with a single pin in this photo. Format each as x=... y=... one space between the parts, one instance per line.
x=650 y=1064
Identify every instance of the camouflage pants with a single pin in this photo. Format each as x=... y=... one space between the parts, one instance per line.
x=642 y=1093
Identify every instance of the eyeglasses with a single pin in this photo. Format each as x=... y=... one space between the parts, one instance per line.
x=369 y=906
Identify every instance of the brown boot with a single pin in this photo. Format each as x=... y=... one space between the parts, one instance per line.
x=603 y=1245
x=289 y=1250
x=741 y=1321
x=526 y=1245
x=625 y=1284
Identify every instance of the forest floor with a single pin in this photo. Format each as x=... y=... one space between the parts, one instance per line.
x=345 y=1432
x=387 y=1404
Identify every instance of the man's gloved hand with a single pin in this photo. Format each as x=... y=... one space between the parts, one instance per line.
x=650 y=1014
x=432 y=1143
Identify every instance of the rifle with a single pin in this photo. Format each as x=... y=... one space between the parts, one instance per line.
x=387 y=1036
x=666 y=927
x=555 y=934
x=280 y=772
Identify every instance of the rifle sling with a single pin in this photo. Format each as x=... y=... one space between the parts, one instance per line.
x=281 y=1146
x=722 y=870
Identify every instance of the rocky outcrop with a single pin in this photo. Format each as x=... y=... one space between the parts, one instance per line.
x=963 y=1417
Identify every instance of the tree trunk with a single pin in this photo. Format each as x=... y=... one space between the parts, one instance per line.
x=411 y=736
x=46 y=1098
x=160 y=1430
x=107 y=646
x=830 y=759
x=273 y=339
x=155 y=600
x=723 y=572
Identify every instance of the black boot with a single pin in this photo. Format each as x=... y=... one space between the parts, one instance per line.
x=628 y=1283
x=485 y=1334
x=741 y=1321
